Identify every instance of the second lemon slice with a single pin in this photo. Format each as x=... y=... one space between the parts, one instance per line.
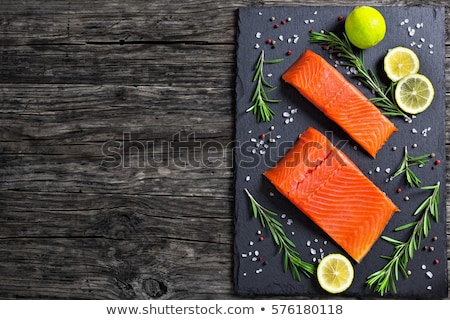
x=400 y=62
x=414 y=93
x=335 y=273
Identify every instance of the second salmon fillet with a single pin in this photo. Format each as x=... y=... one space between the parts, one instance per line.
x=329 y=188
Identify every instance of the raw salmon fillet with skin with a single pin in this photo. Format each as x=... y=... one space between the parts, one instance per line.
x=340 y=100
x=329 y=188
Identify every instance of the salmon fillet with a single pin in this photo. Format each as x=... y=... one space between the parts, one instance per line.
x=339 y=100
x=329 y=188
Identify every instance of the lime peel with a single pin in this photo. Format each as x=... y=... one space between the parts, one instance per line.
x=365 y=27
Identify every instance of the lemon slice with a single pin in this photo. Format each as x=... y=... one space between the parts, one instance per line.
x=414 y=93
x=400 y=62
x=335 y=273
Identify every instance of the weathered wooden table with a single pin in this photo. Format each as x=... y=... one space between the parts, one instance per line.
x=116 y=130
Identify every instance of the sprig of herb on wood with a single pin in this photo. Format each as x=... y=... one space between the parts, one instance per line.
x=291 y=257
x=408 y=162
x=383 y=280
x=343 y=49
x=260 y=99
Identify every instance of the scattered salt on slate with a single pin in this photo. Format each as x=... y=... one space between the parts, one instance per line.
x=289 y=37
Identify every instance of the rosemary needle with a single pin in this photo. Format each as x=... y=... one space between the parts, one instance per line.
x=408 y=162
x=291 y=257
x=260 y=99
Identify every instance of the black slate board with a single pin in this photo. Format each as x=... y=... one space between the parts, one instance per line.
x=254 y=28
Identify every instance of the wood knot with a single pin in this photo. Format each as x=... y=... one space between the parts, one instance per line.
x=154 y=288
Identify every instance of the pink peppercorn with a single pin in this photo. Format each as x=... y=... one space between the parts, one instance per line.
x=261 y=238
x=437 y=162
x=283 y=21
x=269 y=41
x=276 y=25
x=289 y=52
x=262 y=135
x=340 y=18
x=399 y=190
x=436 y=261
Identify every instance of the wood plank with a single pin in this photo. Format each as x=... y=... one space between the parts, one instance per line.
x=138 y=20
x=167 y=64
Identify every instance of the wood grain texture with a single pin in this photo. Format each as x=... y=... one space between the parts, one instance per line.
x=116 y=130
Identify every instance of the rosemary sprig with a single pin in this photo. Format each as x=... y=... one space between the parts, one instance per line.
x=408 y=162
x=383 y=280
x=344 y=50
x=260 y=99
x=291 y=257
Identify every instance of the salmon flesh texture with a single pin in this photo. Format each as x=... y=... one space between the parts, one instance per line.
x=340 y=100
x=330 y=189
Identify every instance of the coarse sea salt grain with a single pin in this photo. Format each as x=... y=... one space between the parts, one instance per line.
x=308 y=243
x=313 y=251
x=258 y=35
x=247 y=178
x=424 y=267
x=429 y=274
